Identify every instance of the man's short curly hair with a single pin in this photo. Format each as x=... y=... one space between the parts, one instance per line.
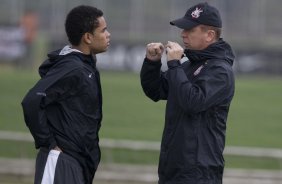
x=80 y=20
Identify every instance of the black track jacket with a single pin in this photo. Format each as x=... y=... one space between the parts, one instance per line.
x=64 y=108
x=198 y=94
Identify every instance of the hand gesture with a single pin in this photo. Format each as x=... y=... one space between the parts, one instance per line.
x=174 y=51
x=154 y=51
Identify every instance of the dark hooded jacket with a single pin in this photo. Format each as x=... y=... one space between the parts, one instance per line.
x=64 y=108
x=198 y=94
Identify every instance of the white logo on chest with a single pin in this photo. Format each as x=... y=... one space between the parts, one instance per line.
x=198 y=70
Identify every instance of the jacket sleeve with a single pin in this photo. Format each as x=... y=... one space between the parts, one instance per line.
x=153 y=81
x=35 y=117
x=43 y=93
x=212 y=87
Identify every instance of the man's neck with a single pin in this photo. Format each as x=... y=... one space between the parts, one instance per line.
x=82 y=49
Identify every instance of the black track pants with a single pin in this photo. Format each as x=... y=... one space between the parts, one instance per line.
x=55 y=167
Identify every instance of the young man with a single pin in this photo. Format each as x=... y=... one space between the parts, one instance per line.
x=198 y=94
x=64 y=109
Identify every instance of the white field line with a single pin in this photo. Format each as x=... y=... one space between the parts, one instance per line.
x=154 y=145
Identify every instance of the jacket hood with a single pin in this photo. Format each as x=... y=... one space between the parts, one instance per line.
x=58 y=55
x=218 y=50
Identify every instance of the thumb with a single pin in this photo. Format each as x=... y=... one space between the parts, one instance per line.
x=168 y=48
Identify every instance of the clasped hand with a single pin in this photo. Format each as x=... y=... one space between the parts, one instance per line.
x=154 y=51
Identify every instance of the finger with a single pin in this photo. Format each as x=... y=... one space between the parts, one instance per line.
x=160 y=49
x=156 y=51
x=160 y=46
x=151 y=48
x=149 y=45
x=168 y=49
x=156 y=45
x=152 y=52
x=178 y=46
x=170 y=44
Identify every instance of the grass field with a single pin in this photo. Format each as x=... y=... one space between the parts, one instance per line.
x=254 y=119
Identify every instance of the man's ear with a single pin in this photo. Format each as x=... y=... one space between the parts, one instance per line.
x=87 y=38
x=210 y=36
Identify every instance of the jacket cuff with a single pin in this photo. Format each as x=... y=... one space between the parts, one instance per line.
x=148 y=61
x=173 y=64
x=52 y=143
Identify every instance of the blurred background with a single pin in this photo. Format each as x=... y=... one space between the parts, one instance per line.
x=132 y=125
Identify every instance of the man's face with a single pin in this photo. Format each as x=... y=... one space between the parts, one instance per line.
x=101 y=38
x=195 y=38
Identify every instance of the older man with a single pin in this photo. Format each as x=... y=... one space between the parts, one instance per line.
x=198 y=94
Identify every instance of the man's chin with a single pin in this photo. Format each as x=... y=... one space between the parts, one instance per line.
x=186 y=46
x=99 y=51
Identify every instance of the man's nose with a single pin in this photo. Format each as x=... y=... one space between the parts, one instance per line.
x=109 y=34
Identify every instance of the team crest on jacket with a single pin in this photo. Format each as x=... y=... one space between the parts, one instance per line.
x=196 y=13
x=198 y=70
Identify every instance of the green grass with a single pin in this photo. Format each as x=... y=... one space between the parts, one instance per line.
x=254 y=118
x=16 y=149
x=14 y=84
x=14 y=179
x=128 y=113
